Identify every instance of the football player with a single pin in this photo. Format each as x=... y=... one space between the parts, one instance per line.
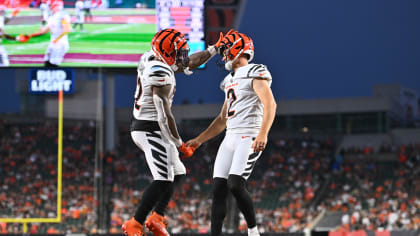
x=45 y=11
x=80 y=15
x=59 y=25
x=153 y=128
x=4 y=58
x=87 y=5
x=247 y=115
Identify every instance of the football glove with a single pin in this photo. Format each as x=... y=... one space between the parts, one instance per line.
x=15 y=12
x=23 y=38
x=187 y=151
x=220 y=40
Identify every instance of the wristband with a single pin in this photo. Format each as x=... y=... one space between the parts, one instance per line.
x=212 y=51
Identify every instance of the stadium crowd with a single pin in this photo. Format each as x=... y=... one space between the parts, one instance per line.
x=378 y=195
x=28 y=176
x=288 y=183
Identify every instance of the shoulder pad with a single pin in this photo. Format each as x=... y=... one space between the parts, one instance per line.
x=258 y=71
x=144 y=59
x=157 y=73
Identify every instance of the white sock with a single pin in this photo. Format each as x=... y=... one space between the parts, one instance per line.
x=253 y=231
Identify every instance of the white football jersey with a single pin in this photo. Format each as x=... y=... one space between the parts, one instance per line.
x=151 y=73
x=88 y=4
x=2 y=20
x=244 y=108
x=79 y=7
x=55 y=23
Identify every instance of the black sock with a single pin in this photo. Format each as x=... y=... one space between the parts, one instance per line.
x=149 y=199
x=166 y=197
x=219 y=206
x=236 y=184
x=49 y=64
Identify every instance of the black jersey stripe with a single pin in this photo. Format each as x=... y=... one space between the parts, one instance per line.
x=153 y=135
x=261 y=69
x=158 y=156
x=250 y=167
x=161 y=167
x=164 y=175
x=255 y=68
x=246 y=174
x=252 y=156
x=158 y=67
x=157 y=145
x=252 y=69
x=159 y=73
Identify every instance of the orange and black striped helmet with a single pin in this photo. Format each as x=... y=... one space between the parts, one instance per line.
x=171 y=46
x=236 y=44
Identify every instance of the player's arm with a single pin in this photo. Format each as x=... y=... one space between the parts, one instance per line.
x=214 y=129
x=6 y=36
x=263 y=91
x=166 y=120
x=199 y=58
x=66 y=29
x=41 y=31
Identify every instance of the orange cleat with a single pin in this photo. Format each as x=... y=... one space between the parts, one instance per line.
x=157 y=225
x=132 y=228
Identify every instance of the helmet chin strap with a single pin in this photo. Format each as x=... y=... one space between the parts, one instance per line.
x=228 y=65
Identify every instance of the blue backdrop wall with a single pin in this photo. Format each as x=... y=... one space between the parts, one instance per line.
x=314 y=49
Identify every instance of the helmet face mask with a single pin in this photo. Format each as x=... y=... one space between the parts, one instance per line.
x=181 y=58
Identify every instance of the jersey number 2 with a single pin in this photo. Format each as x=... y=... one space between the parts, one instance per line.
x=232 y=98
x=138 y=94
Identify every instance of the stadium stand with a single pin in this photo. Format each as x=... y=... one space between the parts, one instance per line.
x=28 y=176
x=294 y=181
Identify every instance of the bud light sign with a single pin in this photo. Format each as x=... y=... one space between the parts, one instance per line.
x=43 y=81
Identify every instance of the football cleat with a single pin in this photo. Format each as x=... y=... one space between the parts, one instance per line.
x=156 y=224
x=132 y=228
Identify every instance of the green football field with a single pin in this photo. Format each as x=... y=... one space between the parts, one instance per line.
x=114 y=44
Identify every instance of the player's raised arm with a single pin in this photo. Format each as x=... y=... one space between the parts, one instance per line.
x=41 y=31
x=199 y=58
x=263 y=91
x=214 y=129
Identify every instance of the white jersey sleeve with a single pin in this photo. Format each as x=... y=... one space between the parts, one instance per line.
x=151 y=73
x=158 y=75
x=259 y=71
